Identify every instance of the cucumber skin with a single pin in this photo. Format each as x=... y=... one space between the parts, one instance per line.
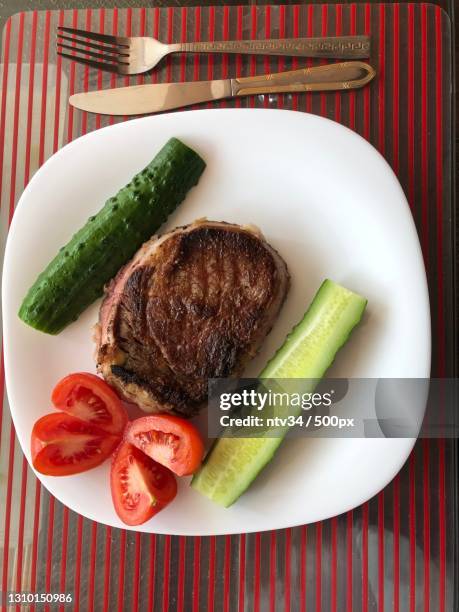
x=198 y=481
x=78 y=273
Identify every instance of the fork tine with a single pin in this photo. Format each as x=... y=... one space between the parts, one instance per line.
x=86 y=43
x=92 y=63
x=102 y=56
x=112 y=40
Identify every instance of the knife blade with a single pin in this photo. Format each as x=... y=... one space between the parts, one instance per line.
x=143 y=99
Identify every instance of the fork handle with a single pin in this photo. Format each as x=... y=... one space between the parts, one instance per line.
x=344 y=47
x=344 y=75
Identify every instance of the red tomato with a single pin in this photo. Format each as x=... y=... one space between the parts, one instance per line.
x=62 y=445
x=90 y=399
x=140 y=486
x=169 y=440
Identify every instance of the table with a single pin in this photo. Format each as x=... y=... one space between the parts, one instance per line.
x=393 y=553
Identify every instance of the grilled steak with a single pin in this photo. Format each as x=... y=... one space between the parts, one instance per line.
x=193 y=304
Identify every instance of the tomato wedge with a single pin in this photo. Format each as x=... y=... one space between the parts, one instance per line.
x=140 y=486
x=62 y=445
x=169 y=440
x=90 y=399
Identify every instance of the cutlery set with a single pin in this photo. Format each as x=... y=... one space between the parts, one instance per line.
x=136 y=55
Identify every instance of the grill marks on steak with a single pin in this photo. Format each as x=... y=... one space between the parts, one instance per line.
x=192 y=305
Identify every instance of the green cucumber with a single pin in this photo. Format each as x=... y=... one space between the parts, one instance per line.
x=307 y=352
x=78 y=273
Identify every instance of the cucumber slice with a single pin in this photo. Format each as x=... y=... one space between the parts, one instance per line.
x=78 y=273
x=307 y=352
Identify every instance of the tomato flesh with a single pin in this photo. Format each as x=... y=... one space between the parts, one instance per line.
x=169 y=440
x=62 y=445
x=89 y=398
x=140 y=487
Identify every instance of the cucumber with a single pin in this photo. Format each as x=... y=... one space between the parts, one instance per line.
x=78 y=273
x=307 y=352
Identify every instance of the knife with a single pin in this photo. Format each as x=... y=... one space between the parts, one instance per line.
x=142 y=99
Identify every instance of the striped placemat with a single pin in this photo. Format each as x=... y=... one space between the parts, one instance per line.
x=396 y=551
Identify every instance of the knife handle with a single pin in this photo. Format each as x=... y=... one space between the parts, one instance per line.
x=345 y=75
x=335 y=47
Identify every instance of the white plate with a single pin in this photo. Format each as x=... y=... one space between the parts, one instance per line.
x=331 y=206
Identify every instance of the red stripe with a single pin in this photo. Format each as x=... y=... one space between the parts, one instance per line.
x=152 y=572
x=296 y=34
x=225 y=58
x=211 y=583
x=181 y=573
x=412 y=528
x=353 y=30
x=381 y=80
x=310 y=32
x=196 y=572
x=183 y=36
x=396 y=528
x=239 y=57
x=170 y=29
x=17 y=101
x=442 y=527
x=33 y=46
x=26 y=178
x=272 y=571
x=44 y=91
x=121 y=569
x=440 y=312
x=426 y=521
x=6 y=542
x=84 y=117
x=267 y=63
x=349 y=556
x=92 y=567
x=281 y=61
x=424 y=135
x=99 y=72
x=227 y=574
x=338 y=32
x=136 y=577
x=287 y=578
x=36 y=524
x=167 y=569
x=128 y=31
x=441 y=330
x=241 y=602
x=63 y=578
x=366 y=90
x=410 y=106
x=79 y=542
x=256 y=574
x=49 y=546
x=302 y=573
x=396 y=86
x=381 y=551
x=72 y=84
x=334 y=563
x=253 y=35
x=9 y=491
x=210 y=58
x=318 y=567
x=111 y=119
x=197 y=38
x=365 y=557
x=107 y=567
x=323 y=97
x=143 y=15
x=6 y=60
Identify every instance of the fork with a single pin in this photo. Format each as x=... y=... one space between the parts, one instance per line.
x=137 y=54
